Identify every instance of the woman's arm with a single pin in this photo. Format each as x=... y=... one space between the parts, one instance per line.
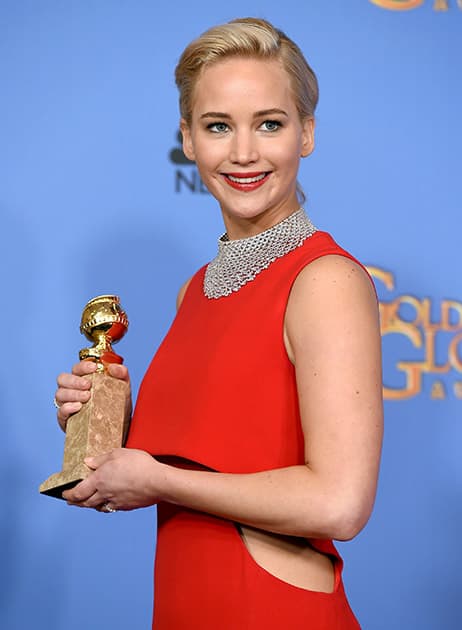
x=332 y=336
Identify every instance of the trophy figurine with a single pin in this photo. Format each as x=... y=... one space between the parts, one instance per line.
x=102 y=423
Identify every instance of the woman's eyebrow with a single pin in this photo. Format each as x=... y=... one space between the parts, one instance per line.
x=262 y=112
x=269 y=112
x=215 y=115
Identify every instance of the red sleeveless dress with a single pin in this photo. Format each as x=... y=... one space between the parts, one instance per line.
x=221 y=392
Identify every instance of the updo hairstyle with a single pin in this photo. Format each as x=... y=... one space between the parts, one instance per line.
x=246 y=37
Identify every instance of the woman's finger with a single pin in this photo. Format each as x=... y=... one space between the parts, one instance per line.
x=84 y=367
x=71 y=381
x=65 y=411
x=70 y=401
x=63 y=396
x=118 y=371
x=82 y=492
x=95 y=501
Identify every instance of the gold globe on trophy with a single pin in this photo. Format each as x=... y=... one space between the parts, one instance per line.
x=102 y=423
x=104 y=322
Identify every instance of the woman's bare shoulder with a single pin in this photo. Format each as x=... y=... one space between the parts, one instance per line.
x=333 y=269
x=331 y=295
x=181 y=292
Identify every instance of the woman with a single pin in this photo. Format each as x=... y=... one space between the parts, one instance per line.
x=258 y=425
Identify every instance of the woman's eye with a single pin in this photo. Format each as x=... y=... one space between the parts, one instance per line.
x=271 y=125
x=218 y=127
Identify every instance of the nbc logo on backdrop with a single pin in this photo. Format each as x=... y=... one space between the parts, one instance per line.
x=186 y=175
x=406 y=5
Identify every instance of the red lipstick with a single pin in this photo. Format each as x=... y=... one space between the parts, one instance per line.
x=246 y=182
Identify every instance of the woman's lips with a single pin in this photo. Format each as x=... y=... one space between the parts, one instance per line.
x=246 y=181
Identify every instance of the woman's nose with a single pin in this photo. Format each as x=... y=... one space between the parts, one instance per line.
x=244 y=148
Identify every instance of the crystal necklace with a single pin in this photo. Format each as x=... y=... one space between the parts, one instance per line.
x=240 y=261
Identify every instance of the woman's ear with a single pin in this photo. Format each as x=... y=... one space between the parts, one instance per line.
x=307 y=137
x=187 y=141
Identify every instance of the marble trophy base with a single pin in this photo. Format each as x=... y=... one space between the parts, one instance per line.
x=100 y=426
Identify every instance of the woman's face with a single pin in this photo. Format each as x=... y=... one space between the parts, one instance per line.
x=247 y=139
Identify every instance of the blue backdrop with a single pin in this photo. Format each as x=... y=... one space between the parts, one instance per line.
x=95 y=198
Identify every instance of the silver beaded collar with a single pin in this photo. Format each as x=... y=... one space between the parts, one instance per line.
x=240 y=261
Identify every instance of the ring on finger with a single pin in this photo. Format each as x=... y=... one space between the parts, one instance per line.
x=106 y=507
x=56 y=403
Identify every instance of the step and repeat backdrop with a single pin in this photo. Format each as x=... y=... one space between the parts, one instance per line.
x=97 y=197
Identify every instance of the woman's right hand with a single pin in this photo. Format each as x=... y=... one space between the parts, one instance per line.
x=74 y=389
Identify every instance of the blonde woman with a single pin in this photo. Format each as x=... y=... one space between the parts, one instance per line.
x=258 y=425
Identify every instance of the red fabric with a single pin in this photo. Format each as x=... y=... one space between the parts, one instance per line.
x=221 y=392
x=207 y=580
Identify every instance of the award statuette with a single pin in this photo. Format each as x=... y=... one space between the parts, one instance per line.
x=102 y=423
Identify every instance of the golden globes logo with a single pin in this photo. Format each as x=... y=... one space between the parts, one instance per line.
x=398 y=5
x=434 y=332
x=406 y=5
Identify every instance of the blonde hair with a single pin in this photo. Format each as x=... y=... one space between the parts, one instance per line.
x=246 y=37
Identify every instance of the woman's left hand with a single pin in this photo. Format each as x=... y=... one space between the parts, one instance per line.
x=123 y=479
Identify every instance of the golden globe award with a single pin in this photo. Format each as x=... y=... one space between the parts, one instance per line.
x=102 y=423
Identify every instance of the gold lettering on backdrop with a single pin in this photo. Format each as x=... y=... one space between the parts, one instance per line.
x=455 y=352
x=425 y=335
x=406 y=5
x=398 y=5
x=458 y=389
x=386 y=277
x=440 y=5
x=438 y=390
